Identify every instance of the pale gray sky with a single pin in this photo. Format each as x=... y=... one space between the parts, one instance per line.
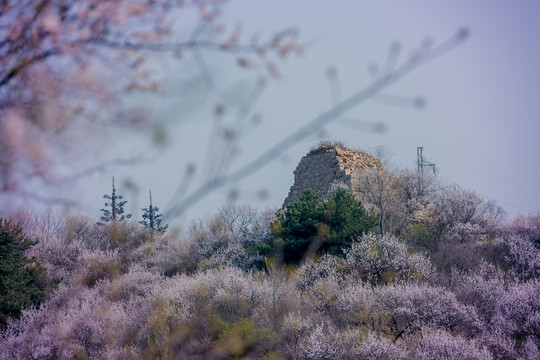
x=480 y=124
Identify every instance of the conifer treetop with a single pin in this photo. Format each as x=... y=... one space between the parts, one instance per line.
x=152 y=217
x=116 y=205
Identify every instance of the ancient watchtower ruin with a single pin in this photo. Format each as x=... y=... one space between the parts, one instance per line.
x=328 y=165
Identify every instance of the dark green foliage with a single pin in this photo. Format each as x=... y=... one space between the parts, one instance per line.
x=346 y=219
x=23 y=281
x=259 y=248
x=418 y=236
x=116 y=206
x=152 y=218
x=309 y=226
x=259 y=252
x=300 y=225
x=536 y=241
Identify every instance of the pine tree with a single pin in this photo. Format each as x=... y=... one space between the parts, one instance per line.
x=152 y=218
x=309 y=226
x=23 y=281
x=116 y=205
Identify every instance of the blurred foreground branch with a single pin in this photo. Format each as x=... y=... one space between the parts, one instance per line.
x=382 y=82
x=66 y=68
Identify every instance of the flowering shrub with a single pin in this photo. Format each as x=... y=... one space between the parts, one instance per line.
x=128 y=293
x=517 y=313
x=524 y=258
x=437 y=344
x=383 y=258
x=465 y=232
x=415 y=306
x=527 y=227
x=481 y=287
x=326 y=342
x=312 y=271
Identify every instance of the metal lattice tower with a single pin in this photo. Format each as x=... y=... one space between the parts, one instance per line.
x=422 y=163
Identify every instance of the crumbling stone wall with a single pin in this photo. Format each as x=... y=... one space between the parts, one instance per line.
x=326 y=165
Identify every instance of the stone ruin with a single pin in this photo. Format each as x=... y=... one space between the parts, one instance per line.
x=328 y=166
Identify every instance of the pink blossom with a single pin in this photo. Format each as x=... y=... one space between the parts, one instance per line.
x=14 y=130
x=51 y=23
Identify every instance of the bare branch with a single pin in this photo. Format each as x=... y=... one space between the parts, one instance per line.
x=314 y=125
x=102 y=167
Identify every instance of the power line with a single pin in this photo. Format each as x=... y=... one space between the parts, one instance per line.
x=502 y=202
x=422 y=163
x=487 y=175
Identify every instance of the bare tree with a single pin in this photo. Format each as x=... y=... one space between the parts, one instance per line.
x=399 y=196
x=381 y=191
x=454 y=206
x=416 y=184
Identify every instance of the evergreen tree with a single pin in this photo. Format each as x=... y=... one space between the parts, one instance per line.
x=116 y=206
x=346 y=219
x=23 y=281
x=300 y=226
x=152 y=218
x=309 y=226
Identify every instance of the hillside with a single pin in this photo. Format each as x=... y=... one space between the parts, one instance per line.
x=366 y=282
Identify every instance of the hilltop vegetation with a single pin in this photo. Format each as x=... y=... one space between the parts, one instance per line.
x=317 y=281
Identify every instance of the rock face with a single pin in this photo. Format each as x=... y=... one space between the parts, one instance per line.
x=327 y=166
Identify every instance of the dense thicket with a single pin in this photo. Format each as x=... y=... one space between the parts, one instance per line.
x=454 y=282
x=23 y=282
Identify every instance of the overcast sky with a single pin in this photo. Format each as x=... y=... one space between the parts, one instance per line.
x=480 y=123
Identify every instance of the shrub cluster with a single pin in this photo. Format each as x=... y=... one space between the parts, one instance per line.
x=127 y=292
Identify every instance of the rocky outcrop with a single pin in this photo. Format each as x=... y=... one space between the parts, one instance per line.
x=326 y=166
